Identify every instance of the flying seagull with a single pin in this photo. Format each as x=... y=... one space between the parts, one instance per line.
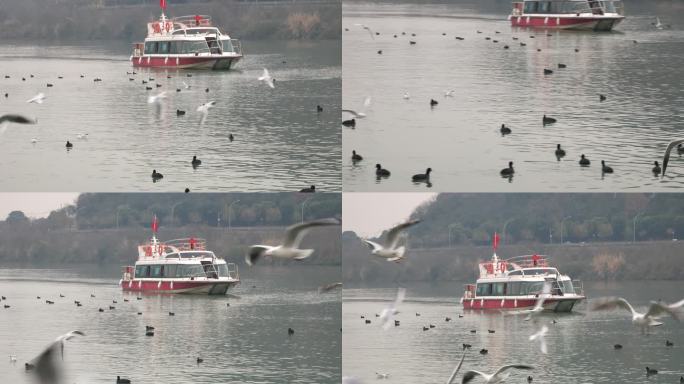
x=666 y=158
x=44 y=364
x=266 y=78
x=539 y=305
x=496 y=377
x=366 y=28
x=390 y=251
x=38 y=99
x=539 y=336
x=5 y=120
x=329 y=287
x=204 y=110
x=388 y=313
x=362 y=113
x=288 y=250
x=644 y=320
x=156 y=98
x=458 y=367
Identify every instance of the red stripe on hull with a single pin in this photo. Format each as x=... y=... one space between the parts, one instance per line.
x=602 y=24
x=185 y=62
x=207 y=287
x=496 y=304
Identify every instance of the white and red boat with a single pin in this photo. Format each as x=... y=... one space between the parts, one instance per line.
x=517 y=282
x=568 y=14
x=186 y=42
x=178 y=266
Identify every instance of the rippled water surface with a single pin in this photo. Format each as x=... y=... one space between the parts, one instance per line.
x=580 y=344
x=280 y=141
x=459 y=138
x=246 y=342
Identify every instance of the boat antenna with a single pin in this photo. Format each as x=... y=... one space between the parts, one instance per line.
x=155 y=227
x=162 y=5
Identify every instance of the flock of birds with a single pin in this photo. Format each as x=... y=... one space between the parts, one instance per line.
x=46 y=366
x=391 y=251
x=509 y=171
x=155 y=100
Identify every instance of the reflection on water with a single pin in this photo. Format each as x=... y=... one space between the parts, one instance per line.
x=460 y=137
x=580 y=343
x=280 y=141
x=246 y=342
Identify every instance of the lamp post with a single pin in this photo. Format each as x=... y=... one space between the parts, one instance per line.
x=561 y=228
x=451 y=227
x=230 y=207
x=173 y=208
x=304 y=206
x=504 y=228
x=634 y=224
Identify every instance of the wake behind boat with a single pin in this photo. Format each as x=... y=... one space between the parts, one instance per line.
x=568 y=14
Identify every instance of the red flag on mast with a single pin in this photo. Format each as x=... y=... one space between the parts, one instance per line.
x=162 y=4
x=496 y=241
x=155 y=224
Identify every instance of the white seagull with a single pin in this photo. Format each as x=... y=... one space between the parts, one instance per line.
x=449 y=93
x=407 y=96
x=156 y=98
x=539 y=305
x=204 y=110
x=390 y=251
x=266 y=78
x=458 y=367
x=497 y=377
x=288 y=250
x=186 y=85
x=643 y=320
x=666 y=158
x=388 y=313
x=5 y=120
x=37 y=99
x=658 y=24
x=44 y=364
x=362 y=114
x=366 y=28
x=381 y=375
x=539 y=336
x=82 y=136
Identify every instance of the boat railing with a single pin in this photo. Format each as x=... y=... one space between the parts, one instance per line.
x=233 y=271
x=187 y=244
x=578 y=286
x=529 y=261
x=237 y=46
x=192 y=21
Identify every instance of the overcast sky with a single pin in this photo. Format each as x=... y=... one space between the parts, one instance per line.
x=34 y=205
x=368 y=214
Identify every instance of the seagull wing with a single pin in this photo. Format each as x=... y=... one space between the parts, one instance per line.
x=373 y=245
x=666 y=158
x=265 y=76
x=296 y=232
x=254 y=253
x=46 y=369
x=612 y=303
x=512 y=366
x=657 y=310
x=19 y=119
x=356 y=114
x=393 y=234
x=458 y=367
x=37 y=98
x=367 y=102
x=470 y=375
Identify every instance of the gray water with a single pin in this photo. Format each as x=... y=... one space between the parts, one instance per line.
x=580 y=344
x=281 y=142
x=246 y=342
x=459 y=138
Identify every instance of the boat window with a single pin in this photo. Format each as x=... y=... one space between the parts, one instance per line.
x=163 y=47
x=170 y=270
x=540 y=271
x=190 y=255
x=193 y=270
x=544 y=7
x=151 y=47
x=567 y=287
x=498 y=289
x=484 y=289
x=156 y=271
x=515 y=273
x=513 y=289
x=142 y=271
x=223 y=270
x=173 y=47
x=531 y=288
x=227 y=46
x=172 y=256
x=531 y=6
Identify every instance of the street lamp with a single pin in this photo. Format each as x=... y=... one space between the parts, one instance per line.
x=634 y=223
x=504 y=228
x=304 y=205
x=173 y=208
x=561 y=228
x=230 y=207
x=451 y=227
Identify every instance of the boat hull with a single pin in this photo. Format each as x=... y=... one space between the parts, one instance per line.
x=592 y=23
x=555 y=304
x=203 y=287
x=186 y=62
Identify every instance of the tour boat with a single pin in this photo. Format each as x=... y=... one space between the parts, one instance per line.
x=593 y=15
x=516 y=284
x=186 y=42
x=178 y=266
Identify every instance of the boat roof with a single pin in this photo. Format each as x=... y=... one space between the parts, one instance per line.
x=185 y=248
x=187 y=26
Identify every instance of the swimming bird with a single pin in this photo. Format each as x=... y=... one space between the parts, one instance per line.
x=497 y=377
x=390 y=250
x=290 y=331
x=655 y=311
x=156 y=98
x=539 y=336
x=458 y=367
x=561 y=65
x=508 y=171
x=37 y=99
x=199 y=360
x=387 y=314
x=311 y=189
x=44 y=365
x=120 y=380
x=319 y=109
x=505 y=130
x=584 y=162
x=366 y=28
x=381 y=375
x=656 y=169
x=356 y=156
x=651 y=371
x=484 y=351
x=605 y=168
x=69 y=144
x=548 y=120
x=406 y=96
x=288 y=249
x=172 y=314
x=522 y=44
x=204 y=110
x=668 y=343
x=559 y=152
x=617 y=346
x=231 y=137
x=433 y=102
x=422 y=176
x=266 y=78
x=602 y=97
x=179 y=112
x=349 y=123
x=547 y=71
x=156 y=175
x=380 y=171
x=196 y=162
